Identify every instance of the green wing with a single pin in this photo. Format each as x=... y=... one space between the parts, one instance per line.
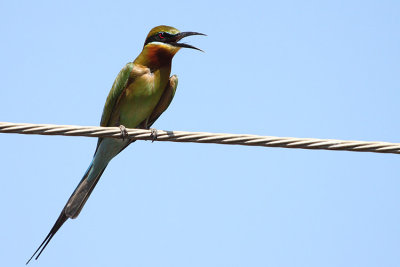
x=120 y=84
x=117 y=90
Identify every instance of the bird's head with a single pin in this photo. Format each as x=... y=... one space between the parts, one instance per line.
x=162 y=42
x=167 y=37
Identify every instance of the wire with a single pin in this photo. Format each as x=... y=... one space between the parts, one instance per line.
x=201 y=137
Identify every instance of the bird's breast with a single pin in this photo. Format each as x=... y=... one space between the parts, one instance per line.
x=141 y=97
x=145 y=85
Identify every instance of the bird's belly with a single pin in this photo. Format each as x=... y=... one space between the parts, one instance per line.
x=141 y=98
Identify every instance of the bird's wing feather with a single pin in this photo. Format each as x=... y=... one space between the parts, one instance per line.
x=120 y=84
x=125 y=77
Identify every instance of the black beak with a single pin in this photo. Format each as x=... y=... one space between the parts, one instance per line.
x=181 y=35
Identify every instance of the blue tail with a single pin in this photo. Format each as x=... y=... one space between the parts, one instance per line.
x=73 y=206
x=106 y=150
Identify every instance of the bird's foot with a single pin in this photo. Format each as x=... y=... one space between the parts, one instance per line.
x=153 y=135
x=124 y=132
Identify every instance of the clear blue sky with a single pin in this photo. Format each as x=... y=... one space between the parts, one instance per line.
x=283 y=68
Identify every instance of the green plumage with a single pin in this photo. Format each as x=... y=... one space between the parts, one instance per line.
x=116 y=91
x=139 y=95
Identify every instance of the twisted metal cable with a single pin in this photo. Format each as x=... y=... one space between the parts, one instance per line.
x=202 y=137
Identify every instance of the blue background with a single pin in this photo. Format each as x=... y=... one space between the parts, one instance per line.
x=324 y=69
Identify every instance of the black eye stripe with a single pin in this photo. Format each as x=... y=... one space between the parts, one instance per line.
x=159 y=37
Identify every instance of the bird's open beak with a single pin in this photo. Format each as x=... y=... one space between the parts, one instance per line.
x=181 y=35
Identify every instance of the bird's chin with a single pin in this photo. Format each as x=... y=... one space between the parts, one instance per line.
x=164 y=49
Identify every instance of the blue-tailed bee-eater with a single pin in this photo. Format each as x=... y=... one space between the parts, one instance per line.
x=141 y=92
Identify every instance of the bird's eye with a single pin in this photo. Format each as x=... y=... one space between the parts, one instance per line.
x=161 y=35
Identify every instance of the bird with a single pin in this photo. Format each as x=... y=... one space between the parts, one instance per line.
x=141 y=92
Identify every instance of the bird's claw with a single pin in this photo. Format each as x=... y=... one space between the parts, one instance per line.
x=124 y=132
x=153 y=135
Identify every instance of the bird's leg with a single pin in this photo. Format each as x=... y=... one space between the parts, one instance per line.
x=124 y=132
x=153 y=135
